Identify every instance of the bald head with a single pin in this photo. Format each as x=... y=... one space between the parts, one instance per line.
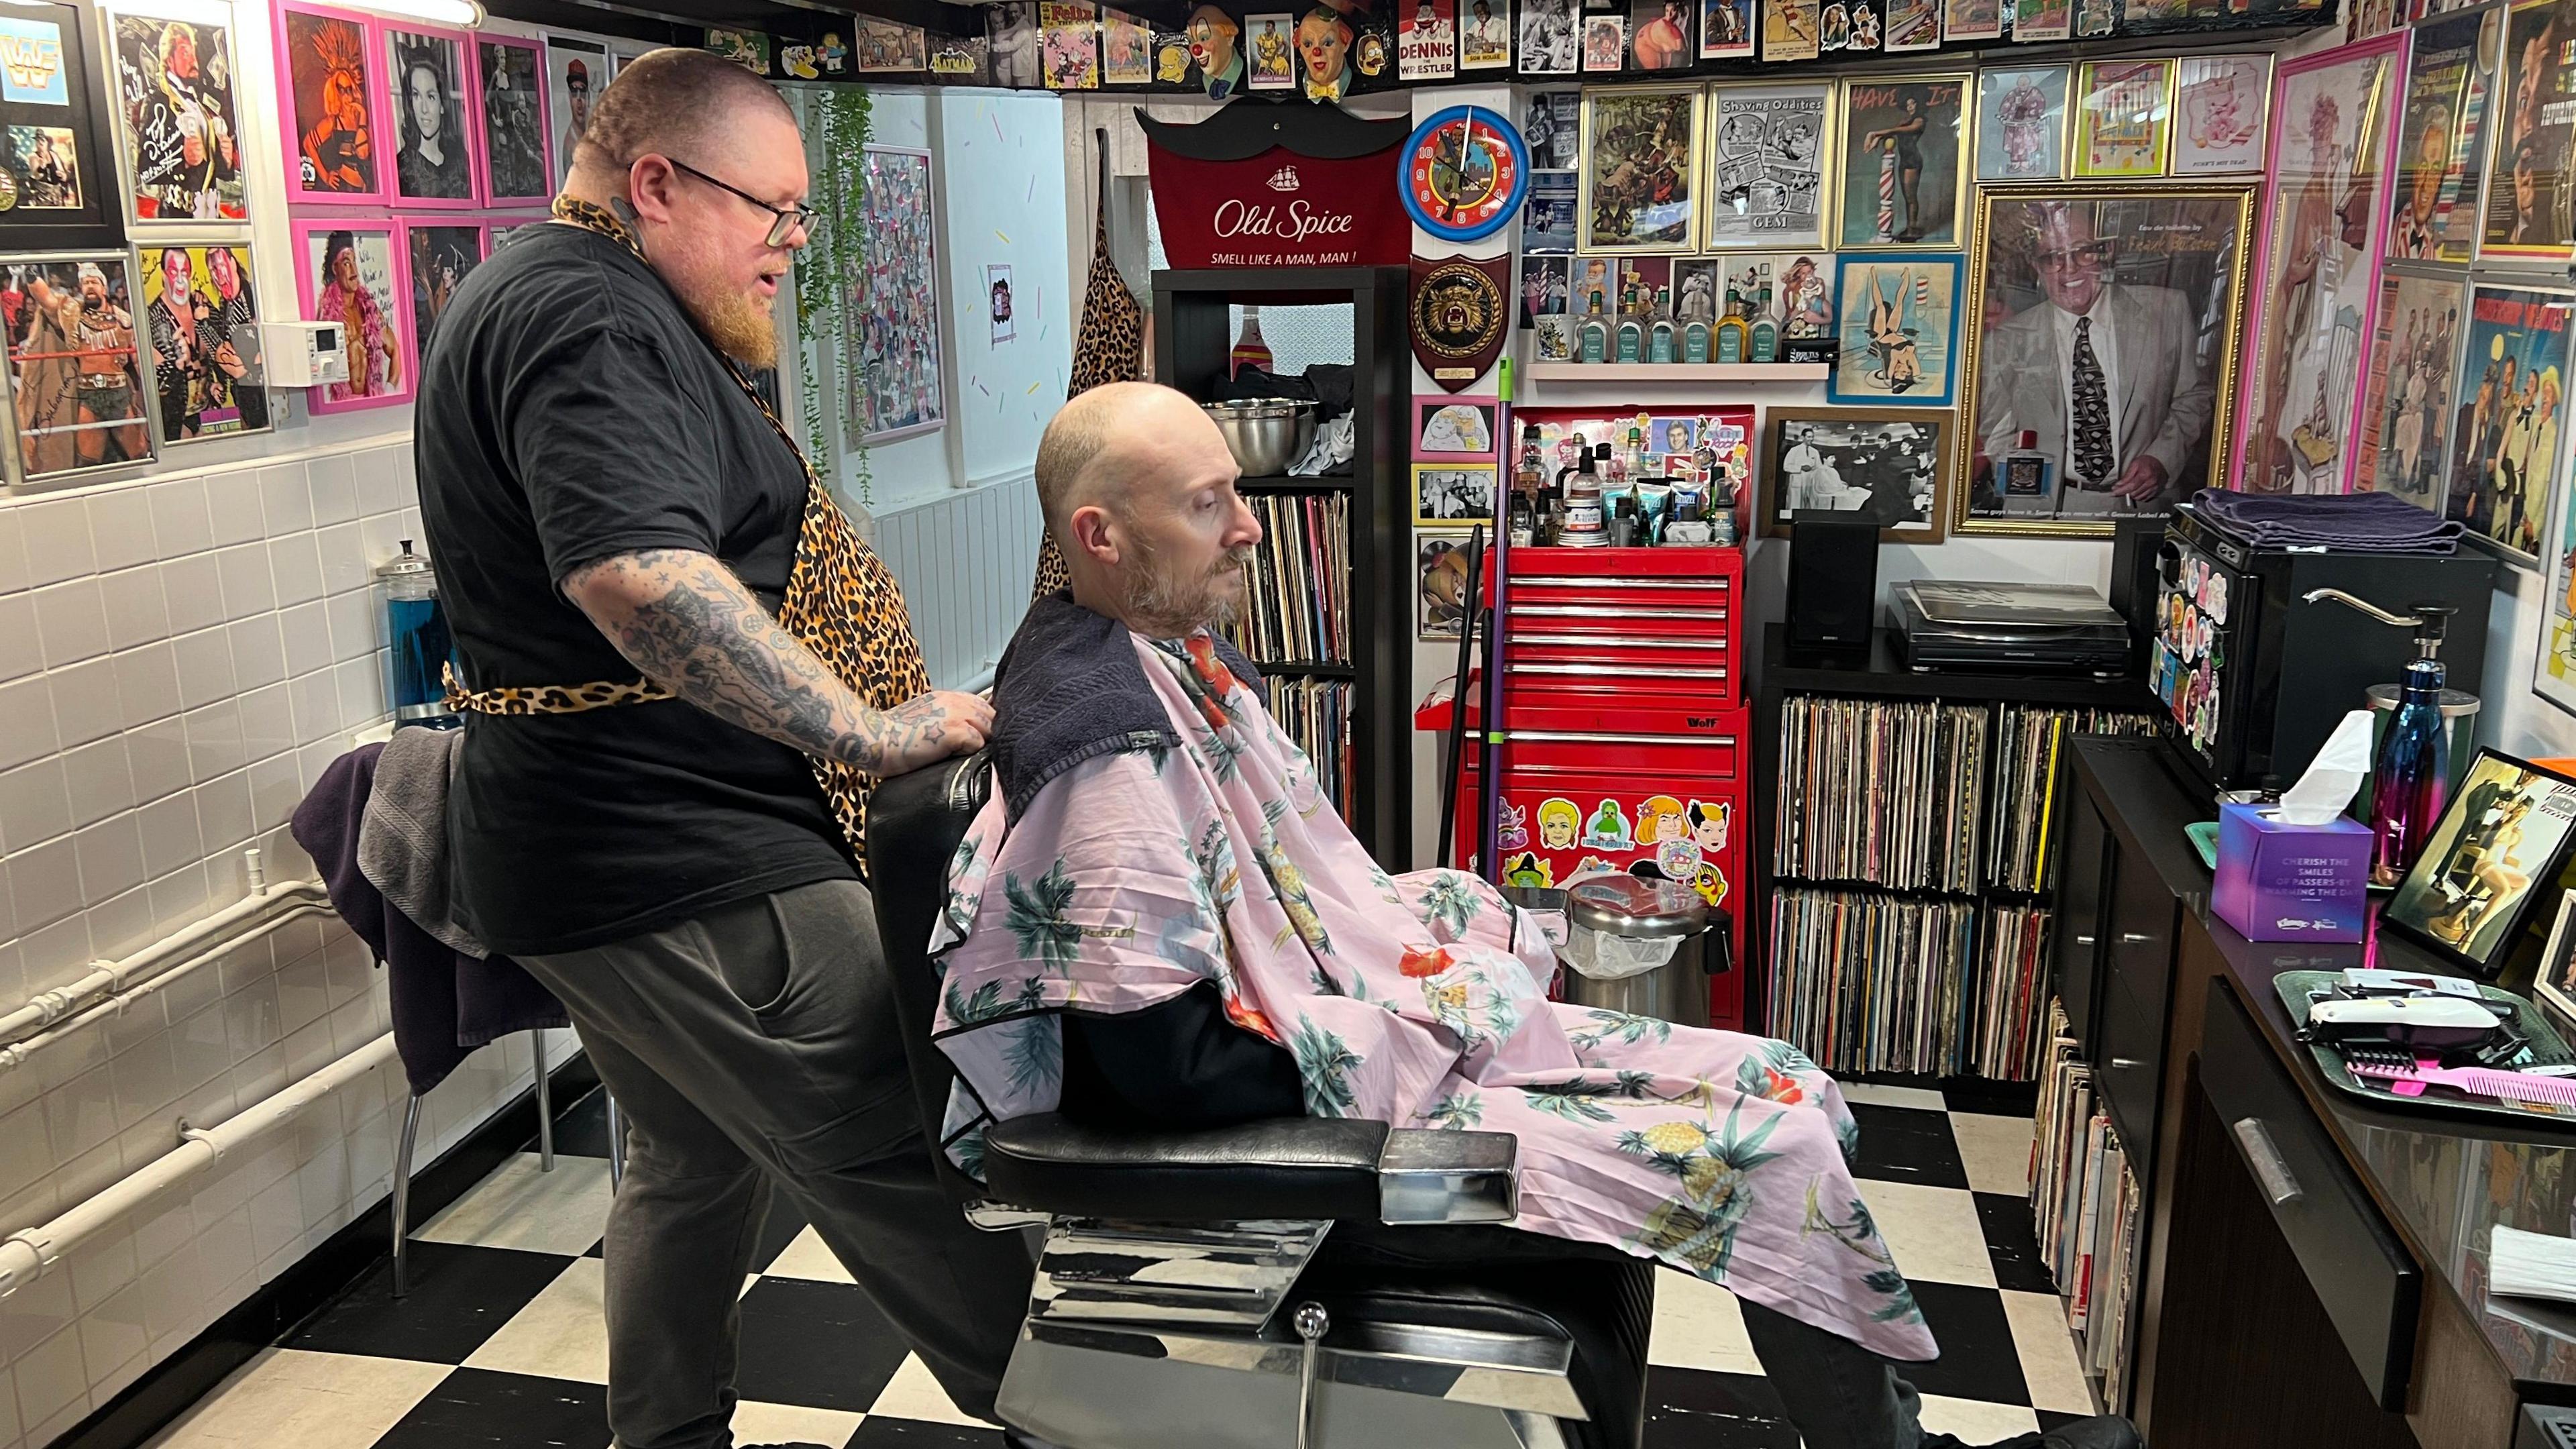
x=675 y=102
x=1138 y=489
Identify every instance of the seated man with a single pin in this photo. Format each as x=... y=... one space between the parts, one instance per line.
x=1158 y=920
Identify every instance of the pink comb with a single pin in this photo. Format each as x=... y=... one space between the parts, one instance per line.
x=2410 y=1081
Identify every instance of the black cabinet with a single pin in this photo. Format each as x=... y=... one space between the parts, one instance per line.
x=2080 y=877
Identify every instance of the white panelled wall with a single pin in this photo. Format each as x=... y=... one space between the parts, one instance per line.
x=965 y=560
x=180 y=658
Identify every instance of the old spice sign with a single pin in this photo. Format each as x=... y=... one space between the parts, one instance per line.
x=1260 y=184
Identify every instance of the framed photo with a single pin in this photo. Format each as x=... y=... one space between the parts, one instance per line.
x=1913 y=25
x=2316 y=273
x=1605 y=44
x=1126 y=48
x=76 y=380
x=55 y=140
x=2553 y=675
x=2021 y=124
x=576 y=70
x=1964 y=20
x=350 y=271
x=997 y=302
x=1453 y=492
x=1640 y=183
x=329 y=83
x=1904 y=161
x=1891 y=465
x=2037 y=22
x=429 y=75
x=2121 y=119
x=2555 y=984
x=2509 y=404
x=1426 y=40
x=1548 y=215
x=1659 y=34
x=1792 y=30
x=1270 y=40
x=1546 y=285
x=1767 y=149
x=2168 y=264
x=2493 y=858
x=887 y=47
x=1453 y=427
x=1900 y=330
x=201 y=319
x=1485 y=36
x=2433 y=213
x=437 y=255
x=2407 y=406
x=2222 y=105
x=2530 y=173
x=1440 y=577
x=891 y=349
x=178 y=139
x=1726 y=29
x=516 y=155
x=1551 y=39
x=1010 y=37
x=1554 y=131
x=1070 y=49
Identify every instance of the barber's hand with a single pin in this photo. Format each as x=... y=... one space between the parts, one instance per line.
x=932 y=727
x=2141 y=480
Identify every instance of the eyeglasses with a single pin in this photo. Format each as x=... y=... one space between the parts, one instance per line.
x=2092 y=254
x=790 y=219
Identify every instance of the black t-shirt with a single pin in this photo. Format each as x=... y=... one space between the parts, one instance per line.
x=569 y=412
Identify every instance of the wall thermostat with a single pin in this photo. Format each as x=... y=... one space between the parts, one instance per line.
x=305 y=354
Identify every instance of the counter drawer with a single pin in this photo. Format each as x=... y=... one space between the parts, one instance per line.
x=2368 y=1283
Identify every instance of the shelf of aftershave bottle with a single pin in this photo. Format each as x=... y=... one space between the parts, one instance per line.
x=1608 y=372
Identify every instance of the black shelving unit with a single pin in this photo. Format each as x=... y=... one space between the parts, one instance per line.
x=1192 y=340
x=1884 y=676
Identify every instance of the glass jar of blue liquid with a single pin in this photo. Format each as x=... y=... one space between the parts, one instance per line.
x=417 y=632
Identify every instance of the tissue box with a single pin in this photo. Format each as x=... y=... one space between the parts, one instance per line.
x=2282 y=882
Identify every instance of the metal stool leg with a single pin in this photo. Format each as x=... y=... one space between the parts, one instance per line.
x=402 y=1197
x=616 y=1144
x=545 y=1104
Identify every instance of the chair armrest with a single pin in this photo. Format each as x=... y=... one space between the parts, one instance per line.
x=1312 y=1168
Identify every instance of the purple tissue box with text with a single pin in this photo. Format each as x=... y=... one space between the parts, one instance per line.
x=2282 y=882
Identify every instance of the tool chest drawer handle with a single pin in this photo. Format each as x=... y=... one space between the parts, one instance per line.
x=1564 y=581
x=1614 y=671
x=1603 y=641
x=1592 y=738
x=1574 y=611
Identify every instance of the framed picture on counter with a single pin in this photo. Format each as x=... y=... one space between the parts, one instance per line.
x=2491 y=860
x=1453 y=492
x=1900 y=330
x=1892 y=464
x=2166 y=265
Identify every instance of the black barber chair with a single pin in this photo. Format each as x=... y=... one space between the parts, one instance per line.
x=1301 y=1282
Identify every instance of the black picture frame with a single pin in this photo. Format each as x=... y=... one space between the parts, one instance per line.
x=98 y=223
x=2449 y=872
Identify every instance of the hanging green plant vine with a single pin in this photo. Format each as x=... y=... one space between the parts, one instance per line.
x=833 y=265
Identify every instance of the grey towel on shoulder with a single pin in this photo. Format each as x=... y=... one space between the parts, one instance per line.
x=402 y=839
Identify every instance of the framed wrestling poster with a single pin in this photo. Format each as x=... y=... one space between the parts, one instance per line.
x=77 y=383
x=58 y=183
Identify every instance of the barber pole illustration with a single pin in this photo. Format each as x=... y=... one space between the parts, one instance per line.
x=1887 y=194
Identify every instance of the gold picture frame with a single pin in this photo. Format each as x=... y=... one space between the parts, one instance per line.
x=1730 y=231
x=2225 y=204
x=2084 y=107
x=1876 y=104
x=1610 y=114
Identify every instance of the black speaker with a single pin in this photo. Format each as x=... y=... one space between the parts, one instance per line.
x=2134 y=542
x=1833 y=583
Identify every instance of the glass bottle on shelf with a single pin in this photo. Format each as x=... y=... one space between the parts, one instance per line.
x=1631 y=340
x=1731 y=337
x=1592 y=342
x=1249 y=349
x=1695 y=342
x=1662 y=343
x=1766 y=333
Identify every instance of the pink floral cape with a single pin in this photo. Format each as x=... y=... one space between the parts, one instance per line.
x=1420 y=1001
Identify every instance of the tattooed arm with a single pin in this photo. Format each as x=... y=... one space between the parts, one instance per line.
x=691 y=626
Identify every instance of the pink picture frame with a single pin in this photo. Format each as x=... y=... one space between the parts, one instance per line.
x=413 y=336
x=328 y=85
x=494 y=198
x=2267 y=303
x=395 y=308
x=392 y=97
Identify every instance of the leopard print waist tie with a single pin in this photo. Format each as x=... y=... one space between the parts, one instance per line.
x=842 y=603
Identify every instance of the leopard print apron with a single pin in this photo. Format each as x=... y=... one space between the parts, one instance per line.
x=842 y=603
x=1109 y=346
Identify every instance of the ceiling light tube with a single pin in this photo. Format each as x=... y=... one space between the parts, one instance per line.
x=460 y=14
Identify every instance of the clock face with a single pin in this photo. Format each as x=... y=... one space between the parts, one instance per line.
x=1465 y=173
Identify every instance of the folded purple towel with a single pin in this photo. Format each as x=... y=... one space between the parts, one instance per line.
x=2351 y=522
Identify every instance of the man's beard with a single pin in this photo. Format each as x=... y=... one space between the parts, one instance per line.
x=739 y=326
x=1165 y=607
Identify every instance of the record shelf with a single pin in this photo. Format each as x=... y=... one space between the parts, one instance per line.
x=1193 y=339
x=1913 y=908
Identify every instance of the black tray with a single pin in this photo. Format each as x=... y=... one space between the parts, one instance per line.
x=2547 y=1048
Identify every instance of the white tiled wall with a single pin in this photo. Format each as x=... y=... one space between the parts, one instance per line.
x=179 y=660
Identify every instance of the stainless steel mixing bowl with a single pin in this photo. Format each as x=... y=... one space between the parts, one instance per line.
x=1267 y=435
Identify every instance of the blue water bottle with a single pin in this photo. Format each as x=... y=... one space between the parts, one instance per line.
x=416 y=631
x=2411 y=780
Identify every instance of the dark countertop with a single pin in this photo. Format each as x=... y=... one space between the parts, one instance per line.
x=2443 y=1179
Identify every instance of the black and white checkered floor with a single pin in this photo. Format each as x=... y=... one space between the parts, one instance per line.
x=500 y=1342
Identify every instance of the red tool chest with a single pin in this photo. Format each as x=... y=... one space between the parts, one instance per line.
x=1626 y=741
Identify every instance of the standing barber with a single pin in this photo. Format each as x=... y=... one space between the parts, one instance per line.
x=663 y=766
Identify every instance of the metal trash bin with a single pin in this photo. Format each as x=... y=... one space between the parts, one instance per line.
x=1641 y=946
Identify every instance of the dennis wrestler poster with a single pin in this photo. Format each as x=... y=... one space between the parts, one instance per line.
x=2506 y=410
x=175 y=120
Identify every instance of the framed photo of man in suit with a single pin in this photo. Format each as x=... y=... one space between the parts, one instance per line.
x=2102 y=335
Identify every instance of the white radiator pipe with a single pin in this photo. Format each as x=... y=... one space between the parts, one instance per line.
x=17 y=1053
x=181 y=951
x=27 y=1255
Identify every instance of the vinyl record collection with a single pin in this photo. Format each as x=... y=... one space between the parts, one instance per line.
x=1316 y=713
x=1872 y=983
x=1915 y=827
x=2009 y=991
x=2086 y=1205
x=1294 y=609
x=2028 y=747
